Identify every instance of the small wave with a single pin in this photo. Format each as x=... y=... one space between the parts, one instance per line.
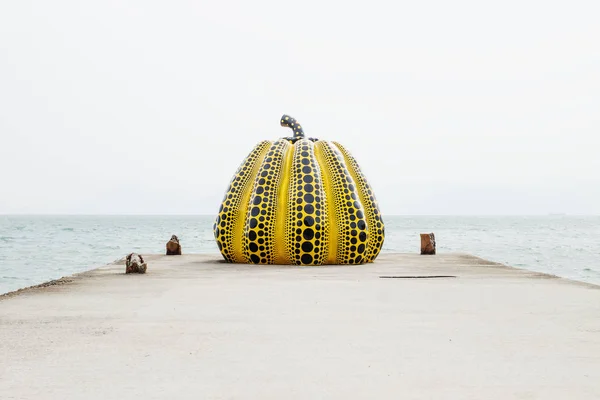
x=104 y=246
x=7 y=238
x=68 y=229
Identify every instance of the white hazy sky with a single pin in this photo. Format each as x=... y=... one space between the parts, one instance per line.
x=450 y=107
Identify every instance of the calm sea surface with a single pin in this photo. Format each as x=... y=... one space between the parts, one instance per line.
x=35 y=249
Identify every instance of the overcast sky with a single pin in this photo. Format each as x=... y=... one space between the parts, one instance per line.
x=146 y=107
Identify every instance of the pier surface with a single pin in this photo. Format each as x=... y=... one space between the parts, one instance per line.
x=408 y=326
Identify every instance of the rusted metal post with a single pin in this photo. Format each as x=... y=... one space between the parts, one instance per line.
x=427 y=243
x=173 y=246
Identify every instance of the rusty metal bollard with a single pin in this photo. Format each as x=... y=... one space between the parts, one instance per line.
x=173 y=246
x=427 y=243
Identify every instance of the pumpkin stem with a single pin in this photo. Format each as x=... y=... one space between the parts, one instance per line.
x=290 y=122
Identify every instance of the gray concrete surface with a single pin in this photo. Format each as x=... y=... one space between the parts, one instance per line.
x=195 y=328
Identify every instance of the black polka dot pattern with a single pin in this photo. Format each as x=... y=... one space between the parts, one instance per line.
x=259 y=231
x=307 y=223
x=233 y=208
x=349 y=213
x=299 y=201
x=374 y=220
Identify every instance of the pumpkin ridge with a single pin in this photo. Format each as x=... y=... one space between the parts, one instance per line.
x=307 y=220
x=282 y=238
x=376 y=230
x=330 y=207
x=352 y=225
x=259 y=230
x=233 y=207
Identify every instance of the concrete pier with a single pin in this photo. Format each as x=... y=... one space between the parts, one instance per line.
x=407 y=326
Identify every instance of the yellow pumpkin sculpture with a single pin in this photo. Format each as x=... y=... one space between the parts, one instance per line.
x=299 y=201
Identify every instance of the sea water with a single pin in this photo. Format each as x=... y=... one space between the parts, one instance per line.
x=35 y=249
